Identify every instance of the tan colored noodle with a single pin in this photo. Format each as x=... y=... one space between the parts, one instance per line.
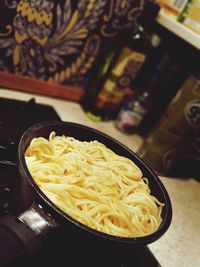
x=94 y=185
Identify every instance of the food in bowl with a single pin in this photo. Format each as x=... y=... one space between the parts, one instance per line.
x=94 y=185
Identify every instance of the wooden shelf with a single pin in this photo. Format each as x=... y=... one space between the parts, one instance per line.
x=32 y=85
x=179 y=29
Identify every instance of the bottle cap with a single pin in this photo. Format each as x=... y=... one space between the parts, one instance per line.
x=151 y=8
x=149 y=12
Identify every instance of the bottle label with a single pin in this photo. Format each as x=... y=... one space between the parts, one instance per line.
x=129 y=118
x=192 y=113
x=186 y=107
x=120 y=79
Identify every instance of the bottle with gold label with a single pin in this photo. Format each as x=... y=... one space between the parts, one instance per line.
x=121 y=67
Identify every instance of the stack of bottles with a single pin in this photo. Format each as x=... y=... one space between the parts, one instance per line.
x=137 y=78
x=120 y=66
x=152 y=93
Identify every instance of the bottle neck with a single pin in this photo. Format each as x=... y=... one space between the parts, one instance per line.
x=148 y=14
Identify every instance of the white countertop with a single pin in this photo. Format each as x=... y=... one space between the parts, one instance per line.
x=179 y=246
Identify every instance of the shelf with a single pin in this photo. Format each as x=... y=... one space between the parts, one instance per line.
x=179 y=29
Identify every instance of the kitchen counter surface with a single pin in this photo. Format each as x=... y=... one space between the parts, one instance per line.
x=179 y=246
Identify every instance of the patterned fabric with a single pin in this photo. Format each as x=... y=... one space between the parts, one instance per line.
x=60 y=40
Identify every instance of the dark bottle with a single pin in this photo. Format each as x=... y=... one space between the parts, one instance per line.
x=136 y=108
x=167 y=87
x=121 y=66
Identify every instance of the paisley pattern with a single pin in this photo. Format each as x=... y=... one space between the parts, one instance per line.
x=61 y=40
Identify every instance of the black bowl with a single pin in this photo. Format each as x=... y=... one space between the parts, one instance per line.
x=84 y=133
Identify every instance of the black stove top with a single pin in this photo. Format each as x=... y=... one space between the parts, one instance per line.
x=15 y=118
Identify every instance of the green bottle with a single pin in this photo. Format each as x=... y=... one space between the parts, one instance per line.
x=88 y=101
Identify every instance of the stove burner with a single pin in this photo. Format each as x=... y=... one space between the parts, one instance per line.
x=15 y=118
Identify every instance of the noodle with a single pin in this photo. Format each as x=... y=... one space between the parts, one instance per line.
x=94 y=185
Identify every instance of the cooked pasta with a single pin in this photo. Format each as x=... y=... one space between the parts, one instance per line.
x=94 y=185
